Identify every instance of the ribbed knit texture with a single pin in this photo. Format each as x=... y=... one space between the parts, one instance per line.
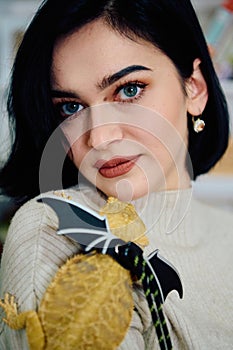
x=197 y=239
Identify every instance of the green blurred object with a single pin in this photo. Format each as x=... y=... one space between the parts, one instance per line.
x=7 y=210
x=3 y=231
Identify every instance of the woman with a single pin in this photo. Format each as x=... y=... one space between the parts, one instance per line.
x=118 y=91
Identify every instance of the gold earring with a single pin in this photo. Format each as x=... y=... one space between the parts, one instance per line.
x=198 y=124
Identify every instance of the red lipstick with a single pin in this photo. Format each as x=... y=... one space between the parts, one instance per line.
x=116 y=166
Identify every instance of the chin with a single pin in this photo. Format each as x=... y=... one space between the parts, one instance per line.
x=124 y=191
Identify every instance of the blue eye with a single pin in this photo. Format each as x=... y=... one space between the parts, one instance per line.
x=130 y=92
x=71 y=108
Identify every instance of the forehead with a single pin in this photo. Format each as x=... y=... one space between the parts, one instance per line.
x=99 y=35
x=96 y=50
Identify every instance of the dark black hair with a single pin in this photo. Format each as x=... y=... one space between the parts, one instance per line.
x=171 y=25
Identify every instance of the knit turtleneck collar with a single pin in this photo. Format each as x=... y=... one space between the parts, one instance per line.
x=166 y=215
x=167 y=218
x=164 y=210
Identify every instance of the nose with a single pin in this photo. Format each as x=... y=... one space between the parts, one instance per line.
x=101 y=136
x=103 y=130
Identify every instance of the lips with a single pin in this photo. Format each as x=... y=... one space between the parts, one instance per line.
x=116 y=166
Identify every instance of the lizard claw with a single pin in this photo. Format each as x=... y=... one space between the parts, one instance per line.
x=9 y=306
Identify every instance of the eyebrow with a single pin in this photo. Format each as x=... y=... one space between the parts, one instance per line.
x=106 y=81
x=60 y=93
x=111 y=79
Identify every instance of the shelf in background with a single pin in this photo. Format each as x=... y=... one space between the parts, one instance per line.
x=204 y=5
x=216 y=187
x=216 y=190
x=227 y=86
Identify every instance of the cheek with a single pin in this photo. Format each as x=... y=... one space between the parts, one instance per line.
x=169 y=101
x=163 y=139
x=79 y=151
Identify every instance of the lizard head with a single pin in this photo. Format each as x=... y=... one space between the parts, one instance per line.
x=124 y=221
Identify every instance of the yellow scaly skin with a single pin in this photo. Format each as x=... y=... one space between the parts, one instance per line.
x=89 y=303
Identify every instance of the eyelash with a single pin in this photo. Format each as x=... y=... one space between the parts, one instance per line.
x=142 y=86
x=137 y=84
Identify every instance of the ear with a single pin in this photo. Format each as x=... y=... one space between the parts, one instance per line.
x=197 y=92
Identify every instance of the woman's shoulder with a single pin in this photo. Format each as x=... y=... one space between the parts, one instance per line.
x=35 y=211
x=212 y=209
x=35 y=223
x=33 y=251
x=33 y=215
x=213 y=219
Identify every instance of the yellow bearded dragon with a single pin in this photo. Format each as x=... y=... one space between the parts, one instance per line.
x=89 y=303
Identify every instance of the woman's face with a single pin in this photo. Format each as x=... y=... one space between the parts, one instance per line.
x=124 y=111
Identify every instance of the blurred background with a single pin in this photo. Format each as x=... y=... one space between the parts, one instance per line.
x=216 y=18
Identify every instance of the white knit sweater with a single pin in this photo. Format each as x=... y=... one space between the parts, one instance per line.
x=196 y=238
